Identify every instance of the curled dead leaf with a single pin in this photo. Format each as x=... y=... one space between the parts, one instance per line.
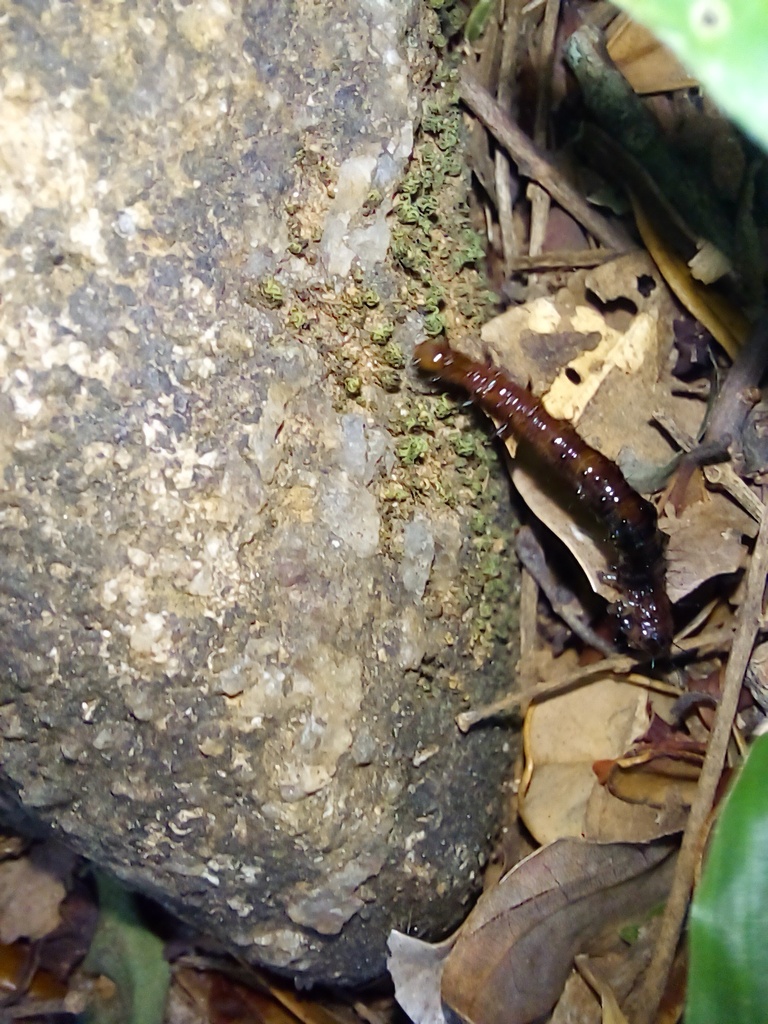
x=516 y=949
x=508 y=962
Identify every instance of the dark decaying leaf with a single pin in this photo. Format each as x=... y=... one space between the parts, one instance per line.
x=66 y=946
x=515 y=950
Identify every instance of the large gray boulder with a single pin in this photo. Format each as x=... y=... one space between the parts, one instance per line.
x=237 y=614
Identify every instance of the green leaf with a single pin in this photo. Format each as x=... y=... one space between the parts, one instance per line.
x=131 y=956
x=725 y=44
x=728 y=976
x=478 y=19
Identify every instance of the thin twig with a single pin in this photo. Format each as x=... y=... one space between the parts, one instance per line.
x=529 y=599
x=564 y=602
x=673 y=430
x=620 y=664
x=504 y=207
x=535 y=165
x=516 y=702
x=733 y=403
x=506 y=188
x=694 y=625
x=647 y=997
x=724 y=477
x=556 y=260
x=37 y=1008
x=539 y=197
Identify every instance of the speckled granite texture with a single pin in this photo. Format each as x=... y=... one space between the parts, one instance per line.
x=228 y=669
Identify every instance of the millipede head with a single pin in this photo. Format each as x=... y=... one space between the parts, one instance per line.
x=433 y=355
x=645 y=619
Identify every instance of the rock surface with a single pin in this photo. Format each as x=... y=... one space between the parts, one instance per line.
x=233 y=630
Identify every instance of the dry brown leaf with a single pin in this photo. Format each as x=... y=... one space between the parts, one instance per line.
x=416 y=969
x=633 y=277
x=559 y=899
x=306 y=1008
x=617 y=963
x=583 y=545
x=31 y=890
x=705 y=541
x=563 y=738
x=534 y=341
x=662 y=769
x=655 y=779
x=571 y=350
x=577 y=1004
x=616 y=819
x=627 y=351
x=646 y=63
x=515 y=950
x=612 y=1013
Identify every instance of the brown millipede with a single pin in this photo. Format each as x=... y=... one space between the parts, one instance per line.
x=636 y=544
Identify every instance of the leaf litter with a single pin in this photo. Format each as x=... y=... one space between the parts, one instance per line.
x=618 y=753
x=548 y=908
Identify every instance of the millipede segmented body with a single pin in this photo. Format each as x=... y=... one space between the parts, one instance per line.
x=636 y=544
